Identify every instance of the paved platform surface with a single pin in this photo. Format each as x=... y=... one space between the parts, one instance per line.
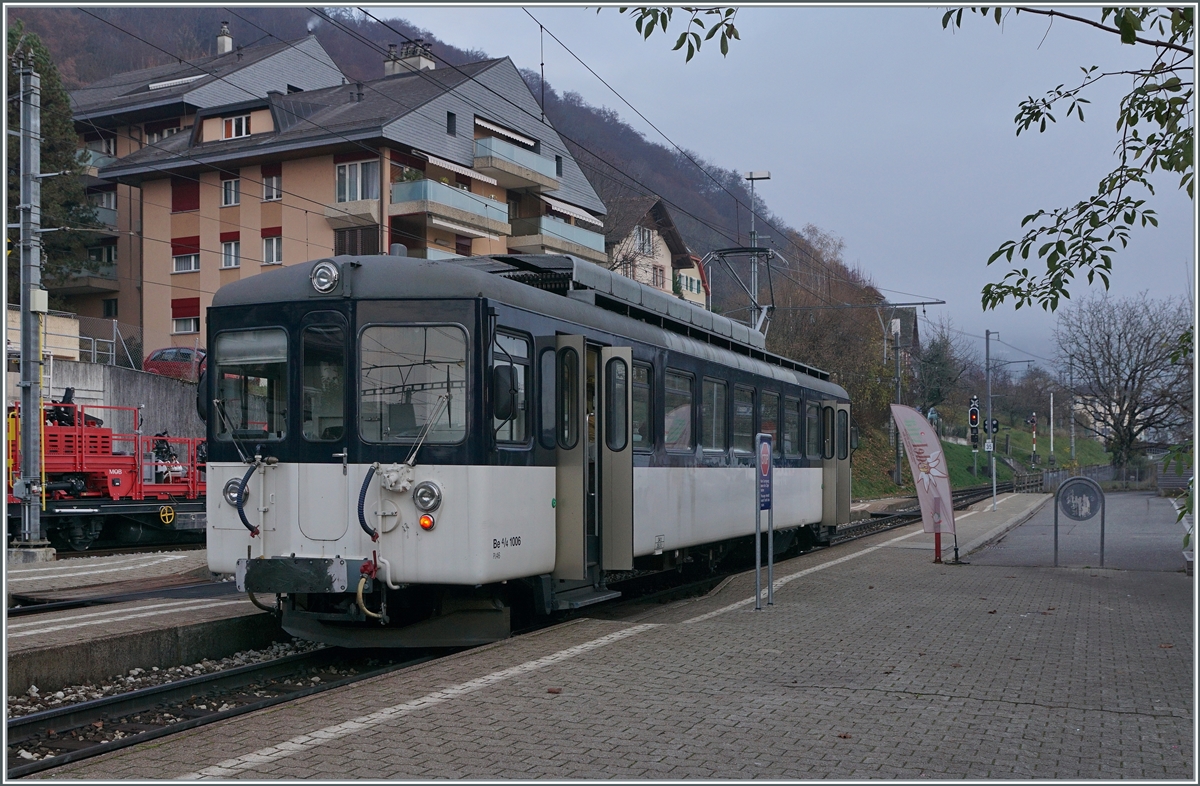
x=872 y=663
x=70 y=574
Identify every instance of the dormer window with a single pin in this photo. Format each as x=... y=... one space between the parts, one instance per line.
x=237 y=127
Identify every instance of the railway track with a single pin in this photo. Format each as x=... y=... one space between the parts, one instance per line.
x=963 y=498
x=79 y=731
x=116 y=551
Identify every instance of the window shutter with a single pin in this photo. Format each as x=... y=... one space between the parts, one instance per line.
x=185 y=245
x=185 y=307
x=272 y=231
x=272 y=170
x=185 y=194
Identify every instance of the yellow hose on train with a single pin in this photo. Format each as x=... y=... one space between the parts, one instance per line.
x=362 y=582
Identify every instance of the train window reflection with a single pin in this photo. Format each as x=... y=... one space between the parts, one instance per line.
x=791 y=426
x=812 y=430
x=568 y=398
x=768 y=420
x=512 y=352
x=643 y=407
x=546 y=374
x=743 y=419
x=413 y=381
x=843 y=434
x=616 y=399
x=251 y=384
x=713 y=415
x=323 y=355
x=678 y=420
x=827 y=434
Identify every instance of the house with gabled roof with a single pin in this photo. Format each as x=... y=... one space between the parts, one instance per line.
x=642 y=242
x=446 y=161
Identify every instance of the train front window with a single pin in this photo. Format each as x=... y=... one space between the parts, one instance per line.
x=413 y=382
x=251 y=368
x=323 y=354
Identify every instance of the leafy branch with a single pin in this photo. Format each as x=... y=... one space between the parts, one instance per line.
x=1156 y=127
x=696 y=32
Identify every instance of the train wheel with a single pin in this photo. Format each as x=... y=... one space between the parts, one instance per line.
x=78 y=534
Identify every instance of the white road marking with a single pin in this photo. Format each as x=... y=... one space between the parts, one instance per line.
x=303 y=742
x=110 y=612
x=958 y=518
x=792 y=577
x=12 y=580
x=93 y=560
x=119 y=619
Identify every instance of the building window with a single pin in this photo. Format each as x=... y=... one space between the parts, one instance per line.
x=231 y=254
x=272 y=187
x=659 y=274
x=359 y=241
x=451 y=124
x=558 y=166
x=237 y=126
x=185 y=263
x=106 y=147
x=153 y=137
x=356 y=181
x=185 y=194
x=462 y=245
x=109 y=305
x=185 y=325
x=231 y=192
x=102 y=256
x=106 y=199
x=645 y=241
x=272 y=250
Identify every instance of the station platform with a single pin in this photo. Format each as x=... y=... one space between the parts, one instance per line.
x=873 y=662
x=161 y=627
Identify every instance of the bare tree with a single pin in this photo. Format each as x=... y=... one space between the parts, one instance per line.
x=1119 y=353
x=940 y=364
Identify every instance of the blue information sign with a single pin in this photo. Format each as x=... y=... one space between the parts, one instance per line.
x=762 y=451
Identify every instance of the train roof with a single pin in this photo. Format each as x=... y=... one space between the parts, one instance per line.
x=556 y=285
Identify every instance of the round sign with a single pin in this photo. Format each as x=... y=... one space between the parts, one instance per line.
x=1078 y=499
x=764 y=459
x=166 y=514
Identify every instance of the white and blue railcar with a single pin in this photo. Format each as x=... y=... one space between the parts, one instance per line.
x=405 y=452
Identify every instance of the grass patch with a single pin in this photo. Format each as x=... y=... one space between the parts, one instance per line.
x=875 y=459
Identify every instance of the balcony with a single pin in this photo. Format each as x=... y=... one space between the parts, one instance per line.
x=513 y=166
x=549 y=235
x=456 y=206
x=359 y=213
x=106 y=216
x=431 y=253
x=88 y=282
x=94 y=159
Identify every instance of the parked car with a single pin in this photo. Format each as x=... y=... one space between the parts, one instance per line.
x=178 y=362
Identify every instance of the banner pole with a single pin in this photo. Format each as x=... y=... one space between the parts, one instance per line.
x=937 y=547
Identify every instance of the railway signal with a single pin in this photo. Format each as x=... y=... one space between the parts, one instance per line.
x=973 y=420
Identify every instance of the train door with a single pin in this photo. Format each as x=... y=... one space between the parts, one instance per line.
x=323 y=494
x=829 y=473
x=594 y=486
x=843 y=463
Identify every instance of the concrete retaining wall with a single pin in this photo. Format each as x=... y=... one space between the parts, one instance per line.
x=169 y=404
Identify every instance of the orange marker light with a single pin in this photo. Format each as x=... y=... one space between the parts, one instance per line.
x=426 y=522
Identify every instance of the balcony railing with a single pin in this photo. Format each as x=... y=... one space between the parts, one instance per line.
x=457 y=198
x=431 y=253
x=106 y=216
x=491 y=147
x=95 y=158
x=554 y=229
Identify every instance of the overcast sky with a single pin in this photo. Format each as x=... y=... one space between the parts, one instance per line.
x=879 y=127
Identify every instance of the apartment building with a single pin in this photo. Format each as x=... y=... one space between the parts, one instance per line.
x=642 y=242
x=130 y=112
x=450 y=161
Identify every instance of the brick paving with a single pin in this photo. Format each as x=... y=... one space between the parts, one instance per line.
x=883 y=665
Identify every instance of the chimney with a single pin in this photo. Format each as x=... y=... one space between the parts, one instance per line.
x=224 y=40
x=415 y=56
x=391 y=63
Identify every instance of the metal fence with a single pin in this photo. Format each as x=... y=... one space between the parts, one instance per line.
x=68 y=336
x=1051 y=479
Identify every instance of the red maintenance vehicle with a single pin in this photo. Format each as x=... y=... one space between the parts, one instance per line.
x=103 y=480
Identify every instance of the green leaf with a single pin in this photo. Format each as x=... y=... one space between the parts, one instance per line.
x=724 y=44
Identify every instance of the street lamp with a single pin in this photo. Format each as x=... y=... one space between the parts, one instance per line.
x=752 y=177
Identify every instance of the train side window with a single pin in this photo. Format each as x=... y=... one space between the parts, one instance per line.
x=791 y=427
x=827 y=434
x=713 y=415
x=743 y=419
x=768 y=421
x=643 y=407
x=677 y=420
x=812 y=430
x=546 y=373
x=843 y=434
x=510 y=370
x=616 y=398
x=323 y=358
x=568 y=398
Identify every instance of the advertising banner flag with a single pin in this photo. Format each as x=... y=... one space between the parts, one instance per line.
x=928 y=465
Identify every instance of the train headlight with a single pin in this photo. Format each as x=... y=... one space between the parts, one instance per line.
x=230 y=491
x=426 y=522
x=325 y=276
x=427 y=496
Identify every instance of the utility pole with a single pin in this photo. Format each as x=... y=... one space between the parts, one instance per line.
x=987 y=365
x=1072 y=383
x=752 y=177
x=1052 y=428
x=33 y=305
x=896 y=352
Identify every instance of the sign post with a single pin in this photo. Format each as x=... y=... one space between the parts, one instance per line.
x=1079 y=499
x=762 y=482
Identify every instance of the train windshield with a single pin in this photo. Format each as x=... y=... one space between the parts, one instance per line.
x=412 y=378
x=251 y=374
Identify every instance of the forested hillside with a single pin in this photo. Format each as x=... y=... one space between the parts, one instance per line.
x=709 y=203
